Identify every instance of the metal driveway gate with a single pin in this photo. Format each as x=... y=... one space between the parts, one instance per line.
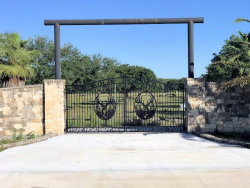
x=125 y=104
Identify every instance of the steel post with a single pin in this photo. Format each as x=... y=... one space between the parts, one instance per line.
x=190 y=50
x=57 y=51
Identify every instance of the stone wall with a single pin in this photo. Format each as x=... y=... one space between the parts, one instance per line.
x=209 y=110
x=36 y=108
x=21 y=108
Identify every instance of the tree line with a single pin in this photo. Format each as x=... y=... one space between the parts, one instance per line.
x=77 y=68
x=31 y=61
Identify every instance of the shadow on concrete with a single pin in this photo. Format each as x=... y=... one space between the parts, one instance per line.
x=192 y=137
x=186 y=136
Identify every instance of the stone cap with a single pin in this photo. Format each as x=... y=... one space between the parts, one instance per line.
x=20 y=87
x=52 y=81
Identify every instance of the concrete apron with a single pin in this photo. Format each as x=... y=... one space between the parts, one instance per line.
x=201 y=178
x=125 y=160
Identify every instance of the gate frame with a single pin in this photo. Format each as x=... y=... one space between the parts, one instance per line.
x=189 y=21
x=126 y=128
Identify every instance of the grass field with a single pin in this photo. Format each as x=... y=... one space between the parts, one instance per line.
x=81 y=110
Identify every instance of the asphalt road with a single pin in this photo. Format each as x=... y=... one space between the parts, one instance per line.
x=125 y=160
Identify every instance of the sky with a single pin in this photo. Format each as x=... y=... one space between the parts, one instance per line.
x=162 y=48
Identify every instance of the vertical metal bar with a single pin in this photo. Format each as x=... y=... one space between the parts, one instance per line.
x=155 y=90
x=110 y=89
x=79 y=109
x=172 y=110
x=84 y=110
x=146 y=86
x=179 y=108
x=57 y=51
x=91 y=108
x=125 y=101
x=82 y=107
x=67 y=109
x=71 y=109
x=87 y=105
x=133 y=98
x=190 y=50
x=120 y=103
x=74 y=109
x=162 y=106
x=175 y=110
x=167 y=105
x=119 y=106
x=171 y=105
x=96 y=118
x=76 y=102
x=183 y=112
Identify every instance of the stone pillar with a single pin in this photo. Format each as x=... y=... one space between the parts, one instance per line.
x=54 y=104
x=195 y=104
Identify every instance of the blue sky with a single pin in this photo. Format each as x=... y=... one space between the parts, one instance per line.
x=162 y=48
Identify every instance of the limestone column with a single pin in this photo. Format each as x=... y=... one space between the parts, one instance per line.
x=54 y=106
x=195 y=104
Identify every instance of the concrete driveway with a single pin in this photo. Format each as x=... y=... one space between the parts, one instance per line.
x=125 y=160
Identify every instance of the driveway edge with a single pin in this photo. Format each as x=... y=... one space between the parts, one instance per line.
x=28 y=141
x=223 y=140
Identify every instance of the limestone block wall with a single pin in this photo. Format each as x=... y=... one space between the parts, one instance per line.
x=36 y=108
x=21 y=108
x=209 y=110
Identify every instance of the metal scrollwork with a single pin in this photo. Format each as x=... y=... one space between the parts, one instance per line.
x=145 y=105
x=105 y=106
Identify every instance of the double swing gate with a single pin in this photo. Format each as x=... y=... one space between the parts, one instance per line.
x=125 y=104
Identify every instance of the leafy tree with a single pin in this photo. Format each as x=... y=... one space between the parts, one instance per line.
x=126 y=70
x=73 y=65
x=109 y=68
x=79 y=69
x=232 y=61
x=16 y=62
x=44 y=68
x=138 y=72
x=232 y=65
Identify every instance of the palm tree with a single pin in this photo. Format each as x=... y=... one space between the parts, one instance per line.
x=15 y=60
x=241 y=20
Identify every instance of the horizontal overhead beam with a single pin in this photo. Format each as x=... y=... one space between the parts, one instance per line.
x=124 y=21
